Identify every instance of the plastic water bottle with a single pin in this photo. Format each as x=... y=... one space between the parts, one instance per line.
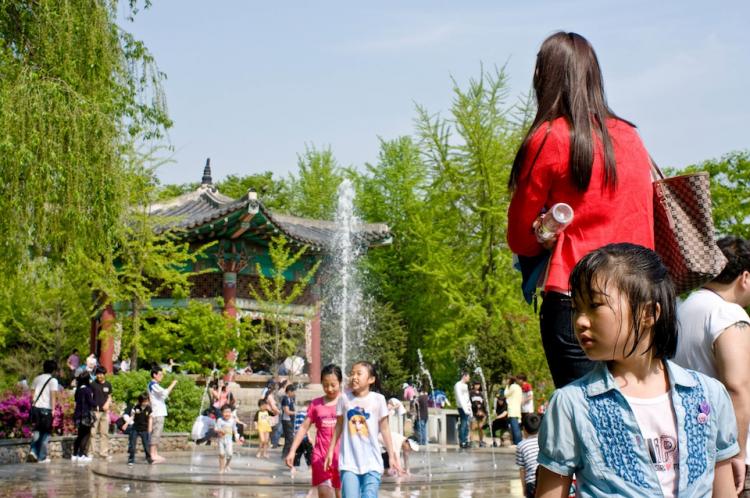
x=555 y=221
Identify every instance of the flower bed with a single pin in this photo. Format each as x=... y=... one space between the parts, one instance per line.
x=15 y=413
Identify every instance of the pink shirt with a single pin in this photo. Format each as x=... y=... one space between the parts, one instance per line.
x=324 y=418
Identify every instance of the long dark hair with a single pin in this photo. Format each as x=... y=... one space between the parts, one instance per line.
x=372 y=371
x=332 y=369
x=639 y=274
x=568 y=83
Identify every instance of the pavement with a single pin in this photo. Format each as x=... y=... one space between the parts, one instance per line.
x=438 y=473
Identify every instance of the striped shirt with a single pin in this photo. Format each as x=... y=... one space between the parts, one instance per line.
x=299 y=417
x=526 y=457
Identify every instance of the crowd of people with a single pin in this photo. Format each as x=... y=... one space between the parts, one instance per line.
x=653 y=395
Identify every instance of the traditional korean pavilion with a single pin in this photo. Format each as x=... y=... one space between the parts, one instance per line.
x=242 y=229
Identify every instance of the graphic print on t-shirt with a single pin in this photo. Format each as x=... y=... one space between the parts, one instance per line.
x=357 y=421
x=663 y=452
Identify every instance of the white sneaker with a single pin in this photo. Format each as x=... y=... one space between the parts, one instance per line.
x=46 y=460
x=84 y=459
x=73 y=458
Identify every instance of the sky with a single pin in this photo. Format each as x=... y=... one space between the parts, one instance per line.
x=251 y=84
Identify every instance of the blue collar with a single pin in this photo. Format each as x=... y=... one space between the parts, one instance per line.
x=600 y=380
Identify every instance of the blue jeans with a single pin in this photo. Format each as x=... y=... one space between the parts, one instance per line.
x=567 y=361
x=133 y=436
x=421 y=430
x=359 y=485
x=39 y=442
x=515 y=429
x=463 y=427
x=276 y=434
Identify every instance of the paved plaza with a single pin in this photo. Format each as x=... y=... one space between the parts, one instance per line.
x=445 y=474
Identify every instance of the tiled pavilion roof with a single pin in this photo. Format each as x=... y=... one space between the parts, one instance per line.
x=206 y=214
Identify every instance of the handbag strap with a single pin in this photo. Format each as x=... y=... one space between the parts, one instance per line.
x=656 y=173
x=42 y=391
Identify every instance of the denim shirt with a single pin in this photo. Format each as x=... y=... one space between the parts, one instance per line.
x=589 y=430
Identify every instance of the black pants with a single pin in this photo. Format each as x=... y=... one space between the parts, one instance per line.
x=288 y=426
x=500 y=424
x=133 y=441
x=567 y=361
x=304 y=449
x=82 y=440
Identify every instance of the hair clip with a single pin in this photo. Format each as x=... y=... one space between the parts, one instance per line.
x=704 y=410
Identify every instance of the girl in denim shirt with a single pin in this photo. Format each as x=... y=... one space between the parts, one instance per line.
x=637 y=425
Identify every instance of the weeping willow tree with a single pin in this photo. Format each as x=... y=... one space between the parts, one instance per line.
x=76 y=92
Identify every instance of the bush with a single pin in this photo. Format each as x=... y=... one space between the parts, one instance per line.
x=183 y=403
x=15 y=412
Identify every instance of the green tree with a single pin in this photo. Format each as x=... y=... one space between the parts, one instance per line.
x=196 y=336
x=273 y=192
x=313 y=191
x=730 y=192
x=275 y=334
x=386 y=347
x=149 y=259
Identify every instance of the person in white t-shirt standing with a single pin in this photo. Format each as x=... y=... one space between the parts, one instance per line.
x=463 y=403
x=158 y=397
x=361 y=416
x=714 y=339
x=45 y=388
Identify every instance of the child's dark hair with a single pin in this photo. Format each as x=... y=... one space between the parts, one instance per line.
x=332 y=369
x=100 y=370
x=155 y=370
x=262 y=401
x=531 y=423
x=142 y=397
x=226 y=407
x=372 y=372
x=640 y=276
x=290 y=388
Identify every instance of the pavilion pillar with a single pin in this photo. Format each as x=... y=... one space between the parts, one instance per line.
x=107 y=325
x=229 y=291
x=315 y=348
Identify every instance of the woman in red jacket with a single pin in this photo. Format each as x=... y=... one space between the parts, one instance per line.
x=579 y=152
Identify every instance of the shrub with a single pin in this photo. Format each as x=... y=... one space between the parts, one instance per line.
x=15 y=414
x=183 y=403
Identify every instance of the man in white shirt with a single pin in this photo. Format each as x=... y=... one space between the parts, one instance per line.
x=714 y=337
x=45 y=388
x=158 y=396
x=463 y=402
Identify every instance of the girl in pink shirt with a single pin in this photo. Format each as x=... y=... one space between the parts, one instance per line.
x=322 y=414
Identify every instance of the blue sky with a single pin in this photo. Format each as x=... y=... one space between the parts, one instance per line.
x=251 y=83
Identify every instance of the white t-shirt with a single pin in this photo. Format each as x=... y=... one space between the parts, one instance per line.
x=157 y=395
x=45 y=400
x=660 y=432
x=463 y=401
x=701 y=319
x=359 y=451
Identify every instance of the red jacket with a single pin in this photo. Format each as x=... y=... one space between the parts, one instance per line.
x=601 y=215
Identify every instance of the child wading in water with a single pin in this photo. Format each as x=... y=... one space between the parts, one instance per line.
x=226 y=429
x=263 y=426
x=322 y=414
x=637 y=425
x=365 y=415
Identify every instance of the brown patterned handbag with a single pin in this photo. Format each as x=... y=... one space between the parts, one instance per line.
x=684 y=229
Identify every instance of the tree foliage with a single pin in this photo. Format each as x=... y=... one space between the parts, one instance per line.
x=274 y=334
x=313 y=189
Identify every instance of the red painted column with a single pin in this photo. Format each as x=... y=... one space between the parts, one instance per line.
x=315 y=348
x=229 y=291
x=108 y=343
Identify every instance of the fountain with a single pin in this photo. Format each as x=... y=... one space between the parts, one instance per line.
x=345 y=307
x=473 y=359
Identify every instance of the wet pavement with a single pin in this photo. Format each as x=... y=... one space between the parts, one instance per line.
x=444 y=474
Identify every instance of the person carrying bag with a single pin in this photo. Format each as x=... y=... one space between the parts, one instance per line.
x=45 y=386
